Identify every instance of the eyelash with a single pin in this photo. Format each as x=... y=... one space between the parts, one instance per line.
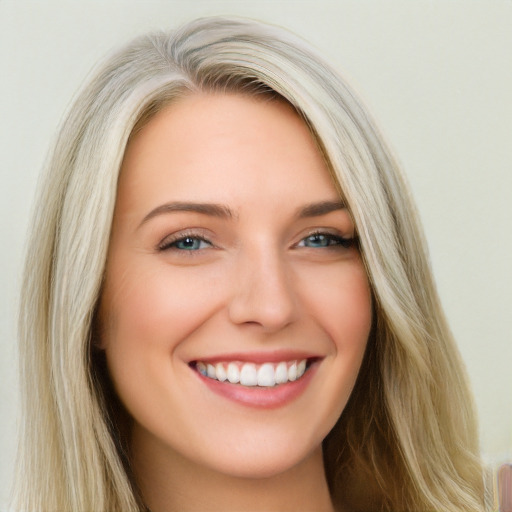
x=172 y=242
x=333 y=241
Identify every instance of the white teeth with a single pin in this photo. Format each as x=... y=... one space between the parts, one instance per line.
x=210 y=371
x=201 y=368
x=249 y=374
x=281 y=373
x=266 y=375
x=301 y=368
x=221 y=373
x=233 y=373
x=292 y=372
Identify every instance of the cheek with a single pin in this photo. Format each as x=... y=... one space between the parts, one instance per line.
x=342 y=305
x=341 y=302
x=349 y=322
x=156 y=308
x=144 y=317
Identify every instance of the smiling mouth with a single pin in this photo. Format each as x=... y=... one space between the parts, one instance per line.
x=247 y=374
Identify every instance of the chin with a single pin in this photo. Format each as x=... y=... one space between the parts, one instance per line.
x=263 y=467
x=263 y=459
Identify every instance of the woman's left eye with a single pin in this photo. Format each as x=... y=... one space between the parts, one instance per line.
x=321 y=240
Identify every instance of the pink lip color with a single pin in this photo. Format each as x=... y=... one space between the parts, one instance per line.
x=263 y=398
x=260 y=357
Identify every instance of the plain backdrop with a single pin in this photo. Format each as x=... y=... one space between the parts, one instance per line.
x=438 y=76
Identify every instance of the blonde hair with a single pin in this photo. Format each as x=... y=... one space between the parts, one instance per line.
x=407 y=439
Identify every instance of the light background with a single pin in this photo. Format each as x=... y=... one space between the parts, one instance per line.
x=438 y=76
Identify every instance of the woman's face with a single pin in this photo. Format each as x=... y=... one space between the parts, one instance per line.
x=232 y=255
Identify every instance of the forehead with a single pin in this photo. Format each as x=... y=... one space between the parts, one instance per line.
x=220 y=146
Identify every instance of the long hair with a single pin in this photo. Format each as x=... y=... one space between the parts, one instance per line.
x=407 y=439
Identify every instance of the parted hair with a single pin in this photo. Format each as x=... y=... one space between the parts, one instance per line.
x=407 y=439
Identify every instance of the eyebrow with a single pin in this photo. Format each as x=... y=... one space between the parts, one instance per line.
x=320 y=208
x=217 y=210
x=211 y=209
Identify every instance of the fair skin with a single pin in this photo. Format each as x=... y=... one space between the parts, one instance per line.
x=230 y=246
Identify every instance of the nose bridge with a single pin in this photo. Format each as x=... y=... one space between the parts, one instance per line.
x=262 y=289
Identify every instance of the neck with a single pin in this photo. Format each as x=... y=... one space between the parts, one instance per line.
x=169 y=483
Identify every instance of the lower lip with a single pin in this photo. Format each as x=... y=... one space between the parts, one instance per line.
x=264 y=398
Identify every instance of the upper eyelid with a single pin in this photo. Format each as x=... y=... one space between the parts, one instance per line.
x=326 y=234
x=180 y=235
x=200 y=234
x=329 y=231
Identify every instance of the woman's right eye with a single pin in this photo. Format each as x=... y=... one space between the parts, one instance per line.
x=185 y=243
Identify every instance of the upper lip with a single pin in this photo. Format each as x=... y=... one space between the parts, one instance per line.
x=274 y=356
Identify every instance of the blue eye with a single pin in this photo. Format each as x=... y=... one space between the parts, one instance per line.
x=324 y=240
x=189 y=244
x=185 y=243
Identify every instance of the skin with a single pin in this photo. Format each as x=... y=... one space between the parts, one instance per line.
x=261 y=280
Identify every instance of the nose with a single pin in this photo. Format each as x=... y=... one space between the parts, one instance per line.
x=263 y=292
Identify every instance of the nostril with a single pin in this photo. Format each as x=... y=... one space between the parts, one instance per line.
x=263 y=294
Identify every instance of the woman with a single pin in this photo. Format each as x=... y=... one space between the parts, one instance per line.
x=227 y=299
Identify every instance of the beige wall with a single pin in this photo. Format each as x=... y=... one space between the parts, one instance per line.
x=438 y=75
